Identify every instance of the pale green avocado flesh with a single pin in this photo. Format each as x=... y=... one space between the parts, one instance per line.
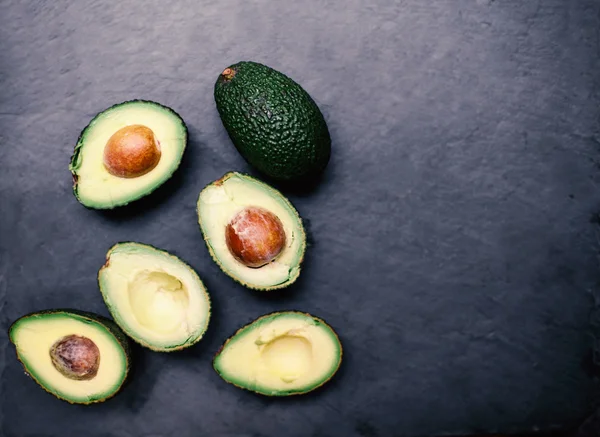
x=280 y=354
x=93 y=185
x=34 y=335
x=155 y=297
x=222 y=200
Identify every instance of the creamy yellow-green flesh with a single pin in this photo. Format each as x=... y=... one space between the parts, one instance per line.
x=218 y=203
x=281 y=354
x=155 y=297
x=33 y=338
x=95 y=186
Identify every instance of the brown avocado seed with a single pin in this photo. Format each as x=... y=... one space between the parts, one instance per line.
x=131 y=152
x=255 y=236
x=76 y=357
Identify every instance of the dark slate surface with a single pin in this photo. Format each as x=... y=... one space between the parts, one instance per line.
x=453 y=241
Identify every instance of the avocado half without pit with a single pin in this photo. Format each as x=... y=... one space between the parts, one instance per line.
x=78 y=357
x=252 y=231
x=280 y=354
x=156 y=298
x=126 y=152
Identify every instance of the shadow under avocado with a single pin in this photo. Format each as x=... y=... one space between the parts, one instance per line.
x=590 y=363
x=142 y=376
x=304 y=186
x=205 y=347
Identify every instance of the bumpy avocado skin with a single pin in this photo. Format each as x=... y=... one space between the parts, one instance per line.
x=273 y=122
x=92 y=317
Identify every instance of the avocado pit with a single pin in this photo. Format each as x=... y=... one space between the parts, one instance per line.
x=76 y=357
x=255 y=236
x=132 y=151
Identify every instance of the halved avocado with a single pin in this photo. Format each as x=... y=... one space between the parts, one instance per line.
x=155 y=297
x=280 y=354
x=236 y=195
x=126 y=152
x=79 y=357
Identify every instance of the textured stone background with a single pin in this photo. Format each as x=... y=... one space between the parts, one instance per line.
x=454 y=236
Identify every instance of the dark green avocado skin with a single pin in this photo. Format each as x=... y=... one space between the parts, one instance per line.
x=273 y=122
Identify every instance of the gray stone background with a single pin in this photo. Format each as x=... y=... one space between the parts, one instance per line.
x=453 y=238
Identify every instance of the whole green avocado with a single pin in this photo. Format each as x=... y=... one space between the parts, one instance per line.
x=272 y=121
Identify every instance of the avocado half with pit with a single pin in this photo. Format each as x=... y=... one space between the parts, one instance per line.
x=156 y=298
x=126 y=152
x=79 y=357
x=280 y=354
x=252 y=231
